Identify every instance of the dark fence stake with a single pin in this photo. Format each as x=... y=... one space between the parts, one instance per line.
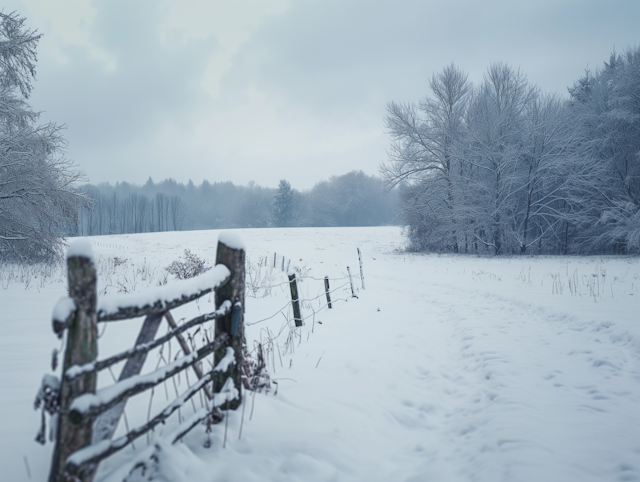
x=231 y=253
x=295 y=300
x=81 y=348
x=353 y=291
x=361 y=274
x=327 y=290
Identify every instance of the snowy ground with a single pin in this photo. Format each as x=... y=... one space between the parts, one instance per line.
x=446 y=368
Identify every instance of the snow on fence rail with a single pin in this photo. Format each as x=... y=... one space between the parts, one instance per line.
x=84 y=419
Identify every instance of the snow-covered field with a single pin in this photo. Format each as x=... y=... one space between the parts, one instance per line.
x=446 y=368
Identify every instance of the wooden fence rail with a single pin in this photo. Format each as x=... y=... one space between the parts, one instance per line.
x=87 y=417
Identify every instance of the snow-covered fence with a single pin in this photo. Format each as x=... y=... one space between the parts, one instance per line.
x=86 y=418
x=260 y=284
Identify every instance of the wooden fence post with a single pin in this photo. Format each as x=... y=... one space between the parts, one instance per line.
x=353 y=291
x=295 y=300
x=81 y=348
x=327 y=290
x=231 y=253
x=274 y=259
x=361 y=274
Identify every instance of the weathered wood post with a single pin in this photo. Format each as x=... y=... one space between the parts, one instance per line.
x=327 y=291
x=274 y=259
x=81 y=348
x=295 y=301
x=353 y=291
x=282 y=263
x=361 y=274
x=231 y=253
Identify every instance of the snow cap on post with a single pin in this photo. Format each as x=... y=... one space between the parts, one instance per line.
x=65 y=307
x=231 y=240
x=80 y=248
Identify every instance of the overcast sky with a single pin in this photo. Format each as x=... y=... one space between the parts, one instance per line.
x=263 y=90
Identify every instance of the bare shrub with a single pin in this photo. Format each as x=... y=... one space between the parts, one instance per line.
x=189 y=266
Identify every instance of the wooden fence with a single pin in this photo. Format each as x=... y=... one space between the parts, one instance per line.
x=86 y=417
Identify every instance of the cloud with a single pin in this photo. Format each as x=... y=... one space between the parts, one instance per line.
x=314 y=81
x=232 y=22
x=253 y=89
x=333 y=54
x=146 y=84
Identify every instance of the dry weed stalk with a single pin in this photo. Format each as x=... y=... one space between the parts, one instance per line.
x=255 y=376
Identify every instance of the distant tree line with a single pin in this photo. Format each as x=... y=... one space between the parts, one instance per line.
x=354 y=199
x=504 y=168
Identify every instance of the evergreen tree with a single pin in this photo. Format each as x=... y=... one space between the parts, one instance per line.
x=283 y=205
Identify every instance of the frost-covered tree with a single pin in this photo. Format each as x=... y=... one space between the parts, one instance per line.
x=39 y=200
x=607 y=106
x=497 y=128
x=508 y=169
x=499 y=168
x=426 y=154
x=542 y=193
x=284 y=208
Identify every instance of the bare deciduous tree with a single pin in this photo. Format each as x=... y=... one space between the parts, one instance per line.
x=39 y=200
x=426 y=153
